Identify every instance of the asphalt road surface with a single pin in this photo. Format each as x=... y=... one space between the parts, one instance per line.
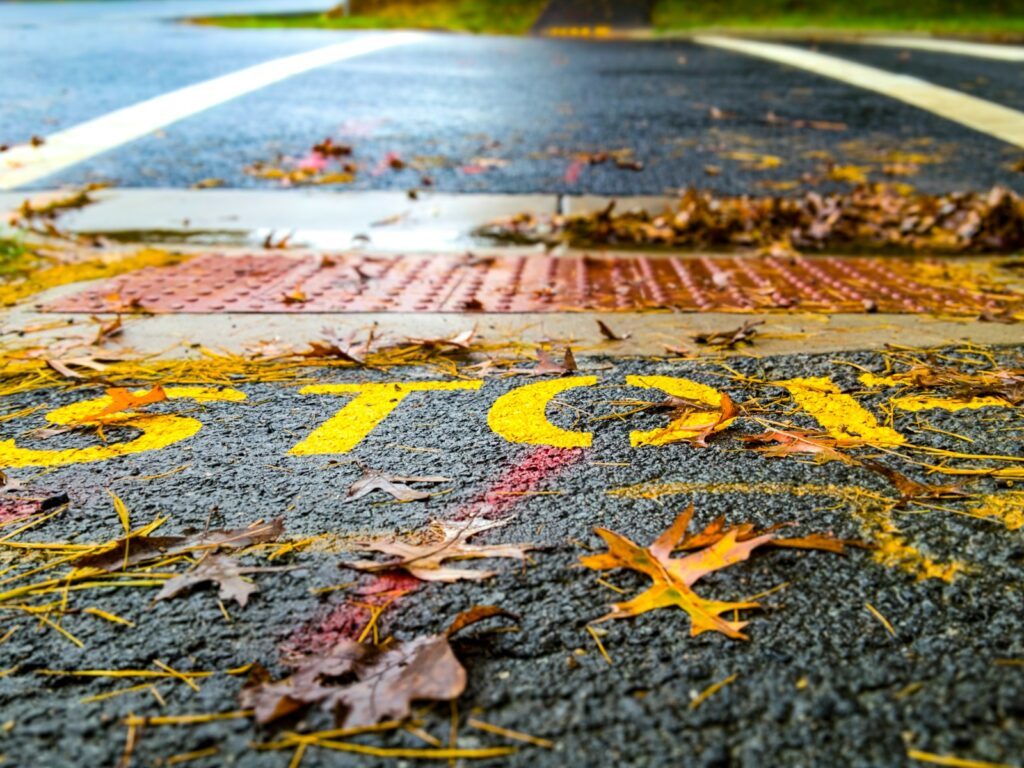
x=489 y=114
x=910 y=646
x=821 y=682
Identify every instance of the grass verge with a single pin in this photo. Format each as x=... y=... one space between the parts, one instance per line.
x=989 y=19
x=511 y=17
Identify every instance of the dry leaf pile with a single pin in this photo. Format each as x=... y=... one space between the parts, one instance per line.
x=873 y=216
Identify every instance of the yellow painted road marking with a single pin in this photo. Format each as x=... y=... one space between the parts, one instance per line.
x=370 y=406
x=981 y=115
x=839 y=414
x=520 y=416
x=24 y=163
x=159 y=430
x=686 y=427
x=957 y=47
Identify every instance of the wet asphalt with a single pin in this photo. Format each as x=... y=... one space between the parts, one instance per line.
x=820 y=683
x=473 y=114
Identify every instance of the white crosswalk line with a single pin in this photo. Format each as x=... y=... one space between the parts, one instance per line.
x=25 y=164
x=957 y=47
x=981 y=115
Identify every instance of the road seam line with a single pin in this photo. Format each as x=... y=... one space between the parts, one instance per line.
x=24 y=164
x=978 y=114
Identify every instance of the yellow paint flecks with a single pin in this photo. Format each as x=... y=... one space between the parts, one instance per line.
x=373 y=402
x=839 y=414
x=873 y=512
x=925 y=403
x=91 y=269
x=520 y=416
x=685 y=427
x=1006 y=507
x=158 y=430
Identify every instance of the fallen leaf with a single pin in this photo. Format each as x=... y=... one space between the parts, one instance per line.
x=674 y=577
x=364 y=684
x=825 y=448
x=278 y=244
x=122 y=400
x=107 y=330
x=730 y=339
x=461 y=341
x=427 y=561
x=547 y=365
x=911 y=489
x=609 y=334
x=679 y=407
x=220 y=569
x=395 y=485
x=132 y=550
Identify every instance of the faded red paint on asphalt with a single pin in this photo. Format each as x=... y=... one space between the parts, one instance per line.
x=348 y=620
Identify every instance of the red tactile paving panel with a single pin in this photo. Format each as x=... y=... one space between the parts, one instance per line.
x=363 y=283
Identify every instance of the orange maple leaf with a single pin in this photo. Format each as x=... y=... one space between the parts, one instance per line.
x=122 y=400
x=716 y=548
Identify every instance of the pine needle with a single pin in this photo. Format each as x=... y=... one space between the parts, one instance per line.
x=510 y=734
x=176 y=674
x=109 y=616
x=197 y=754
x=711 y=690
x=210 y=717
x=594 y=633
x=884 y=621
x=951 y=761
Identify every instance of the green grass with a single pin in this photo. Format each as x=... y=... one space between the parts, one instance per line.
x=499 y=17
x=997 y=19
x=15 y=258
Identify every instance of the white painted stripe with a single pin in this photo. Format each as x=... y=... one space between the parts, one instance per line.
x=24 y=164
x=957 y=47
x=983 y=116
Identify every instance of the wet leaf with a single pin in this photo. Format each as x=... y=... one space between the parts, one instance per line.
x=777 y=442
x=548 y=366
x=609 y=334
x=730 y=339
x=363 y=684
x=448 y=540
x=122 y=400
x=673 y=578
x=911 y=489
x=222 y=570
x=132 y=550
x=395 y=485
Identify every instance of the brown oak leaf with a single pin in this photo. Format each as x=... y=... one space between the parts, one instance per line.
x=427 y=561
x=375 y=480
x=547 y=365
x=132 y=550
x=911 y=489
x=364 y=684
x=220 y=569
x=787 y=443
x=730 y=339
